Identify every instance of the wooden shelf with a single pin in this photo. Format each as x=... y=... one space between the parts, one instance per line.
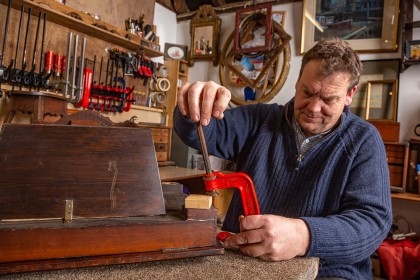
x=145 y=108
x=406 y=196
x=61 y=15
x=414 y=24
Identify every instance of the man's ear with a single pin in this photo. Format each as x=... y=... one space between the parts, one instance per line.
x=349 y=97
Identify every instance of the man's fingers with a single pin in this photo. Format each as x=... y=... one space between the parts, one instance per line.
x=252 y=222
x=182 y=98
x=242 y=238
x=223 y=97
x=207 y=102
x=194 y=100
x=203 y=100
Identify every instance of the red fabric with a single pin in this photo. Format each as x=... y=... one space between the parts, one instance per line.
x=400 y=259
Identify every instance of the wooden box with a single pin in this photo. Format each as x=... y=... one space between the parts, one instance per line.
x=397 y=157
x=389 y=131
x=73 y=196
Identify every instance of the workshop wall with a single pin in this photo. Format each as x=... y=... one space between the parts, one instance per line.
x=114 y=12
x=409 y=81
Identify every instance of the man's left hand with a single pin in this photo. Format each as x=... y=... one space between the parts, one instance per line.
x=271 y=237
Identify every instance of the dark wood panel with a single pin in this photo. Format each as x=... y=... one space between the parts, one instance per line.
x=120 y=236
x=106 y=171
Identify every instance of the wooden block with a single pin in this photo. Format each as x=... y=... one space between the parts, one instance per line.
x=198 y=201
x=174 y=195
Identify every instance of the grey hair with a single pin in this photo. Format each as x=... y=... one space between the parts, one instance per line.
x=335 y=55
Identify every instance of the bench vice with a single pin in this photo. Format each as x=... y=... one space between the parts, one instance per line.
x=75 y=196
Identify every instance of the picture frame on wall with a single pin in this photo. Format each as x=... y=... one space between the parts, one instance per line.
x=253 y=27
x=205 y=32
x=372 y=100
x=175 y=51
x=384 y=94
x=325 y=19
x=412 y=50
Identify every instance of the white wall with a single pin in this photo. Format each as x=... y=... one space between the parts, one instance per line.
x=409 y=82
x=409 y=88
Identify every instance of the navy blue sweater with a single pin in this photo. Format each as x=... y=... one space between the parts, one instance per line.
x=340 y=187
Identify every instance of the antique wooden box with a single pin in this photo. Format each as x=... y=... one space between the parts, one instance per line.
x=73 y=196
x=397 y=157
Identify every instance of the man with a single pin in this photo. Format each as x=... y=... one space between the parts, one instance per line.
x=320 y=172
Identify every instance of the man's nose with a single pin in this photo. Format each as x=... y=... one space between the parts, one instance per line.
x=315 y=104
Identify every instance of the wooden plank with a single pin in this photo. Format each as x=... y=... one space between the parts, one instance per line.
x=96 y=237
x=66 y=263
x=106 y=171
x=198 y=201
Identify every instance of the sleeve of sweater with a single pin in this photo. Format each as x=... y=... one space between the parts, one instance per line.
x=365 y=214
x=226 y=137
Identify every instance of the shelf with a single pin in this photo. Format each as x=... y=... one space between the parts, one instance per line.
x=61 y=15
x=414 y=24
x=406 y=196
x=145 y=108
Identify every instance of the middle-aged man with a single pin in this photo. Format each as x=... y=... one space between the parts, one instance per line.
x=319 y=171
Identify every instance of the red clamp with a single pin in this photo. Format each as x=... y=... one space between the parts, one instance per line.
x=239 y=180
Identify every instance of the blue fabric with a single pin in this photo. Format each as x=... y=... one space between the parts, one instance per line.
x=340 y=188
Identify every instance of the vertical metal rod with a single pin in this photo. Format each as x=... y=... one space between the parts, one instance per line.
x=81 y=69
x=41 y=59
x=204 y=151
x=73 y=82
x=6 y=29
x=100 y=71
x=93 y=69
x=106 y=73
x=67 y=71
x=18 y=35
x=24 y=64
x=36 y=42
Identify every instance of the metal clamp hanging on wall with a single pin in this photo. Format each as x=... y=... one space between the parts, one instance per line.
x=74 y=82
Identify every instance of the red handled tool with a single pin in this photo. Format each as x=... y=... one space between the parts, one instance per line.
x=217 y=180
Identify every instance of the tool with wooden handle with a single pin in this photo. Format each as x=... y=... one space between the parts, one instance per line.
x=216 y=180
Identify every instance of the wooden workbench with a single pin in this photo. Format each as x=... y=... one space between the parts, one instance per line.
x=232 y=265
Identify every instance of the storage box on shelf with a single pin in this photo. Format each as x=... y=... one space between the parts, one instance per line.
x=397 y=156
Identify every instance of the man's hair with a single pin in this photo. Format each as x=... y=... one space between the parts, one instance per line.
x=335 y=55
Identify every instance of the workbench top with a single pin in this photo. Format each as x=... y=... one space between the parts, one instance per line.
x=231 y=265
x=175 y=173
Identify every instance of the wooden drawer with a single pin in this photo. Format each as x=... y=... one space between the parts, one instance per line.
x=160 y=135
x=395 y=153
x=396 y=173
x=397 y=157
x=162 y=140
x=162 y=156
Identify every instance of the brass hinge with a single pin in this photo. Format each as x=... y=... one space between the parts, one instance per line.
x=68 y=212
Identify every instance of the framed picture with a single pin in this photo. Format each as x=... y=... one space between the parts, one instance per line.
x=279 y=17
x=381 y=100
x=368 y=26
x=253 y=29
x=412 y=50
x=205 y=30
x=175 y=51
x=373 y=70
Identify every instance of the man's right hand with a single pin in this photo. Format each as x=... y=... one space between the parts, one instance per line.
x=203 y=100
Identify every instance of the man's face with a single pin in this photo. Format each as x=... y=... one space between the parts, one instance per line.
x=319 y=101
